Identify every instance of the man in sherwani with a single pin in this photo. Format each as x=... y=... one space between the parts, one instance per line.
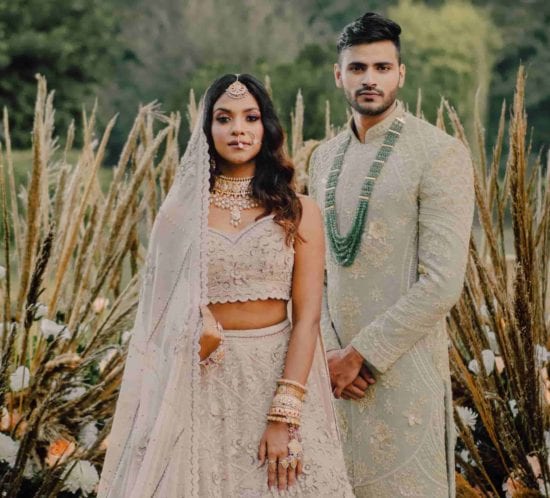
x=397 y=196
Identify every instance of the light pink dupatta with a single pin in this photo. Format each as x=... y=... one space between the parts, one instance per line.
x=156 y=408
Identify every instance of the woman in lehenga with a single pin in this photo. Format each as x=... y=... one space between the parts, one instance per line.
x=223 y=396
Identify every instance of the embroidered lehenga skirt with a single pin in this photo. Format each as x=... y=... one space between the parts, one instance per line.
x=235 y=399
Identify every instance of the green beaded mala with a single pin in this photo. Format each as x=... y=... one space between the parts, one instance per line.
x=345 y=248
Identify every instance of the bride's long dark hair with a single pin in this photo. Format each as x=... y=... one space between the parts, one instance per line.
x=272 y=183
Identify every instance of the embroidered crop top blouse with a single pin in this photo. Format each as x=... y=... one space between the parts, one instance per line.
x=254 y=263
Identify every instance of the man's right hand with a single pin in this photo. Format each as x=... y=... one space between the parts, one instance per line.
x=358 y=388
x=348 y=379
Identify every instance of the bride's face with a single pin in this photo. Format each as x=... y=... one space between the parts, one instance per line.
x=237 y=129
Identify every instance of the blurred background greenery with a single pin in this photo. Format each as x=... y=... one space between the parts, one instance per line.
x=127 y=52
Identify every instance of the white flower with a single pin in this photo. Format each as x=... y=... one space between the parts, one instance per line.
x=107 y=357
x=473 y=367
x=52 y=329
x=465 y=455
x=492 y=339
x=541 y=355
x=41 y=311
x=468 y=416
x=513 y=406
x=83 y=476
x=8 y=449
x=74 y=393
x=88 y=435
x=20 y=378
x=2 y=273
x=484 y=311
x=488 y=362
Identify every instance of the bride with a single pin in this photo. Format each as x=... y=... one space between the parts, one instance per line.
x=223 y=394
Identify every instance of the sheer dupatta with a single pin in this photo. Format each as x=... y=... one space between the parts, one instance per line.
x=157 y=405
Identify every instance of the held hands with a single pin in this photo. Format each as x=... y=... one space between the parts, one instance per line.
x=274 y=448
x=349 y=376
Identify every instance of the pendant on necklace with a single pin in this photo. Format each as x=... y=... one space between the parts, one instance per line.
x=235 y=216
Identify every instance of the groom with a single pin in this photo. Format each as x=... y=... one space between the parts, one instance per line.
x=397 y=197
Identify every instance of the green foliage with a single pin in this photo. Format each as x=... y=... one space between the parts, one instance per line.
x=164 y=48
x=443 y=57
x=312 y=73
x=73 y=43
x=525 y=26
x=179 y=45
x=338 y=14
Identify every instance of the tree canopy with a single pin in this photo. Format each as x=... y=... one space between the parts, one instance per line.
x=131 y=52
x=74 y=44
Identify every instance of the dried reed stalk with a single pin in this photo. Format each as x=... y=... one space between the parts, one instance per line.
x=498 y=329
x=34 y=196
x=6 y=313
x=95 y=252
x=16 y=224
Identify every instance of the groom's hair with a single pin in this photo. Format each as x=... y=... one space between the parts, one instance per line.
x=369 y=28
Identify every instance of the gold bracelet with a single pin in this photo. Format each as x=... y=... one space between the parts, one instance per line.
x=285 y=408
x=289 y=382
x=287 y=420
x=291 y=391
x=287 y=401
x=281 y=411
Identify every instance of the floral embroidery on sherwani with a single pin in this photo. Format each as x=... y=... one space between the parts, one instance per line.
x=408 y=274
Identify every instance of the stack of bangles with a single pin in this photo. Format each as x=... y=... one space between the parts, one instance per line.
x=287 y=407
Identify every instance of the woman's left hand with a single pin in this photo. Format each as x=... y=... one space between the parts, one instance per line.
x=274 y=447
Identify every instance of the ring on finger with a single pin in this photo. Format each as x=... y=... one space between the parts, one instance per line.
x=284 y=463
x=272 y=463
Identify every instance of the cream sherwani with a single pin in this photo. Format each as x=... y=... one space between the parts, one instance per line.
x=391 y=303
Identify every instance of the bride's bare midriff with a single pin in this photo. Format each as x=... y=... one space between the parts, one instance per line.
x=249 y=314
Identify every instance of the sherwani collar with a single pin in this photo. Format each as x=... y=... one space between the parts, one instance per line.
x=379 y=129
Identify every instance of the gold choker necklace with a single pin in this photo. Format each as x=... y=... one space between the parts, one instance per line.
x=233 y=194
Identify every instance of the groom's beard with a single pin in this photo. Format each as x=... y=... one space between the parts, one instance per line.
x=369 y=108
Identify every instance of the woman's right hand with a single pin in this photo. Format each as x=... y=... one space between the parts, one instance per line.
x=211 y=336
x=274 y=449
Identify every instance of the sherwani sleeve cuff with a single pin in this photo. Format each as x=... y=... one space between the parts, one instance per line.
x=377 y=354
x=381 y=348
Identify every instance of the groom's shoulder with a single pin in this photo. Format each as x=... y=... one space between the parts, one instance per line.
x=327 y=149
x=429 y=134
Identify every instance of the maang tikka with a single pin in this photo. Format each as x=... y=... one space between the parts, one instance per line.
x=236 y=90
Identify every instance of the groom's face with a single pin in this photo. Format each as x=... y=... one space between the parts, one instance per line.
x=370 y=75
